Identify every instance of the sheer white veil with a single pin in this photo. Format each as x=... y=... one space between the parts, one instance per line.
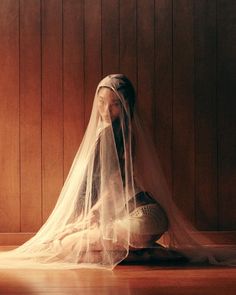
x=90 y=224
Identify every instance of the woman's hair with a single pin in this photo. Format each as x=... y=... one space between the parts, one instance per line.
x=123 y=85
x=127 y=90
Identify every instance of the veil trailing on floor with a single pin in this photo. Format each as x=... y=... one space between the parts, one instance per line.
x=95 y=220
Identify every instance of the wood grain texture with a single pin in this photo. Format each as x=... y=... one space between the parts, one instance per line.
x=9 y=117
x=52 y=104
x=73 y=79
x=93 y=45
x=226 y=77
x=30 y=114
x=128 y=36
x=110 y=37
x=125 y=279
x=183 y=108
x=145 y=59
x=206 y=205
x=163 y=95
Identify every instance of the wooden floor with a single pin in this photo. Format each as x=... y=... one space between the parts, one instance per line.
x=124 y=280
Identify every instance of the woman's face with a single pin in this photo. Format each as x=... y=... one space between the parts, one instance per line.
x=109 y=105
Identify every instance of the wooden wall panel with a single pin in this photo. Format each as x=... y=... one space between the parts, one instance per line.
x=163 y=85
x=145 y=59
x=206 y=205
x=93 y=61
x=226 y=78
x=73 y=79
x=110 y=37
x=183 y=107
x=180 y=55
x=128 y=30
x=9 y=117
x=30 y=114
x=52 y=104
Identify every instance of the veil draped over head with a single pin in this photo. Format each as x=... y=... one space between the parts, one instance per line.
x=95 y=221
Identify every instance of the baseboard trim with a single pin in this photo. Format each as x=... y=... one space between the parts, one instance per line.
x=14 y=238
x=206 y=237
x=216 y=237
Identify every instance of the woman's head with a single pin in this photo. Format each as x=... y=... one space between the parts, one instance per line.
x=109 y=105
x=115 y=94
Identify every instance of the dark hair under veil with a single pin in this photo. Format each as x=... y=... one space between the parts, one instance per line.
x=97 y=218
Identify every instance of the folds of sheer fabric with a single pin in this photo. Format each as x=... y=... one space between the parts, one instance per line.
x=93 y=224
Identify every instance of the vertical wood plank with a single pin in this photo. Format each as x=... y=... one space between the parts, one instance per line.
x=30 y=114
x=163 y=85
x=183 y=107
x=52 y=104
x=92 y=62
x=205 y=114
x=9 y=117
x=145 y=70
x=226 y=77
x=128 y=57
x=110 y=37
x=73 y=79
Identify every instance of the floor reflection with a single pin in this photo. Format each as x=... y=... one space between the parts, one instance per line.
x=124 y=280
x=84 y=282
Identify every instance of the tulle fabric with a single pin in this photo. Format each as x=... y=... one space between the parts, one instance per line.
x=97 y=217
